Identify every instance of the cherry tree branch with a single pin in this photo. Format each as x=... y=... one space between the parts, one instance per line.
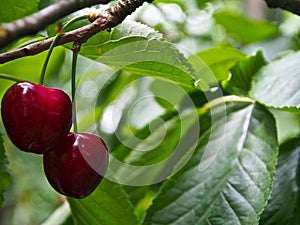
x=106 y=20
x=32 y=24
x=290 y=5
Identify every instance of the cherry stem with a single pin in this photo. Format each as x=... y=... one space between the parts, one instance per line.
x=76 y=49
x=9 y=77
x=54 y=42
x=42 y=77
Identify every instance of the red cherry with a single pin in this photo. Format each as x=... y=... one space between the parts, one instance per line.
x=36 y=117
x=77 y=165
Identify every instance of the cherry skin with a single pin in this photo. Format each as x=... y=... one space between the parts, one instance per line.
x=36 y=117
x=77 y=165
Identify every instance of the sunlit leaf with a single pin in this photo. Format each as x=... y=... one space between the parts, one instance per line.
x=288 y=124
x=278 y=84
x=126 y=32
x=140 y=50
x=216 y=63
x=245 y=29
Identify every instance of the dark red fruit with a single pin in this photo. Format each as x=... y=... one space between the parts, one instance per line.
x=77 y=165
x=36 y=117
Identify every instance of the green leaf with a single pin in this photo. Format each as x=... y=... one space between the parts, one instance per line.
x=284 y=204
x=278 y=84
x=140 y=50
x=152 y=155
x=68 y=221
x=23 y=68
x=107 y=205
x=147 y=139
x=219 y=60
x=141 y=197
x=12 y=10
x=242 y=74
x=158 y=142
x=126 y=32
x=202 y=3
x=180 y=3
x=112 y=88
x=4 y=173
x=288 y=124
x=229 y=179
x=245 y=29
x=45 y=3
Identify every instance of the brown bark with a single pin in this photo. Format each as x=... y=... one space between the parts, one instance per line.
x=108 y=19
x=39 y=20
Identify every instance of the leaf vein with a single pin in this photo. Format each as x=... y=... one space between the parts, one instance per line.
x=232 y=209
x=244 y=197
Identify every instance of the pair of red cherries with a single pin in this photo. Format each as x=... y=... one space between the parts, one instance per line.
x=37 y=119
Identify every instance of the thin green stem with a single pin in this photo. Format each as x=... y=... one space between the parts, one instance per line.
x=75 y=19
x=9 y=77
x=53 y=44
x=42 y=77
x=76 y=48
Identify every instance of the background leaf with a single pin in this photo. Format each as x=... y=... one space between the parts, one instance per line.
x=45 y=3
x=157 y=153
x=278 y=84
x=232 y=183
x=180 y=3
x=244 y=29
x=12 y=10
x=23 y=68
x=107 y=205
x=202 y=3
x=219 y=60
x=284 y=204
x=242 y=74
x=4 y=173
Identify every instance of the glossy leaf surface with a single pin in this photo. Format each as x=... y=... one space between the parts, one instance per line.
x=142 y=52
x=229 y=179
x=278 y=84
x=284 y=204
